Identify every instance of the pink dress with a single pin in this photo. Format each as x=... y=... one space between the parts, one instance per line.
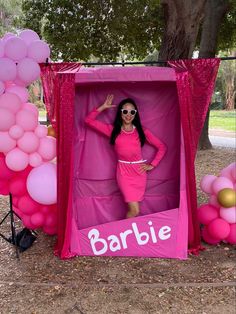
x=131 y=181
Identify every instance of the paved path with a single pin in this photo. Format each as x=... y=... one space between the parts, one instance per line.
x=222 y=138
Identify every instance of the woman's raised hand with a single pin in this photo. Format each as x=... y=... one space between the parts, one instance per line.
x=107 y=104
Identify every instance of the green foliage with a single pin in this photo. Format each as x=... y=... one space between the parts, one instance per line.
x=106 y=29
x=10 y=13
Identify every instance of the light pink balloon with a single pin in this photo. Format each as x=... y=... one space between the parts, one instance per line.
x=29 y=36
x=42 y=184
x=15 y=48
x=226 y=172
x=10 y=101
x=39 y=51
x=28 y=143
x=2 y=87
x=20 y=91
x=221 y=183
x=2 y=45
x=8 y=69
x=232 y=234
x=233 y=172
x=228 y=214
x=17 y=160
x=7 y=36
x=7 y=119
x=41 y=131
x=9 y=84
x=206 y=183
x=32 y=108
x=26 y=119
x=16 y=132
x=35 y=159
x=47 y=148
x=18 y=82
x=213 y=201
x=28 y=70
x=6 y=142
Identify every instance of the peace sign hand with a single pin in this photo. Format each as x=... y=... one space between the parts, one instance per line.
x=108 y=103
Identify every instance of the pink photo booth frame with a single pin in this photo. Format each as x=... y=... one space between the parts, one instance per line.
x=90 y=208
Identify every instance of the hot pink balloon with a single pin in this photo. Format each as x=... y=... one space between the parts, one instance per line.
x=221 y=183
x=32 y=108
x=7 y=119
x=47 y=148
x=29 y=36
x=5 y=172
x=218 y=229
x=207 y=238
x=2 y=45
x=2 y=87
x=42 y=184
x=6 y=142
x=27 y=205
x=8 y=69
x=35 y=159
x=15 y=48
x=206 y=183
x=50 y=231
x=4 y=188
x=39 y=51
x=28 y=70
x=28 y=143
x=37 y=219
x=26 y=119
x=206 y=213
x=17 y=186
x=51 y=220
x=20 y=91
x=16 y=132
x=15 y=200
x=41 y=131
x=228 y=214
x=10 y=101
x=27 y=222
x=232 y=234
x=17 y=160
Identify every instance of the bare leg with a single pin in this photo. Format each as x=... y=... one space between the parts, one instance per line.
x=133 y=209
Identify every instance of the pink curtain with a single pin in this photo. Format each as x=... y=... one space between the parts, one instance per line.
x=59 y=92
x=195 y=83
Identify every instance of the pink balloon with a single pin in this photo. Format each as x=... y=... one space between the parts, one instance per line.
x=20 y=91
x=10 y=101
x=2 y=87
x=35 y=159
x=2 y=45
x=5 y=172
x=15 y=48
x=228 y=214
x=15 y=200
x=9 y=84
x=233 y=172
x=28 y=143
x=41 y=131
x=42 y=184
x=29 y=36
x=7 y=119
x=221 y=183
x=26 y=119
x=4 y=189
x=6 y=142
x=218 y=229
x=50 y=231
x=213 y=201
x=27 y=205
x=206 y=213
x=16 y=132
x=39 y=51
x=38 y=219
x=17 y=160
x=206 y=183
x=47 y=148
x=27 y=222
x=207 y=238
x=17 y=186
x=51 y=220
x=7 y=36
x=18 y=82
x=226 y=172
x=232 y=234
x=8 y=69
x=28 y=70
x=32 y=108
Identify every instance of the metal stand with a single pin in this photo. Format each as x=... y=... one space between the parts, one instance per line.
x=13 y=228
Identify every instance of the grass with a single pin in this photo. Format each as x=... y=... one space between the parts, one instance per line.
x=221 y=119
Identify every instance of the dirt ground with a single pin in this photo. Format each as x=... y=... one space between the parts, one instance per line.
x=41 y=283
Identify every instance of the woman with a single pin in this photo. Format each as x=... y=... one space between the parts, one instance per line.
x=128 y=136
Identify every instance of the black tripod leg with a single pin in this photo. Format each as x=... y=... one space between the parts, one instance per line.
x=13 y=227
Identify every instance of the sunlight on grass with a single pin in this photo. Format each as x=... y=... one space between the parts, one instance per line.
x=220 y=119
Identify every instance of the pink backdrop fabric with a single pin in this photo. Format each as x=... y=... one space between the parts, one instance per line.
x=195 y=81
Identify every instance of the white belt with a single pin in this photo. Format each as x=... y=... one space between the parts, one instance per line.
x=132 y=162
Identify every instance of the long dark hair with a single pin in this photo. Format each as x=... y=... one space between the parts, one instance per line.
x=118 y=122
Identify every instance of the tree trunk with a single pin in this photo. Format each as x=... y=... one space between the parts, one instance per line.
x=214 y=12
x=182 y=20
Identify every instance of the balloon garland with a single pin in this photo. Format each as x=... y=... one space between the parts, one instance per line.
x=27 y=149
x=219 y=215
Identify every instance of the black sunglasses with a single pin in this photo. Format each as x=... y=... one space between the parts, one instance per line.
x=131 y=111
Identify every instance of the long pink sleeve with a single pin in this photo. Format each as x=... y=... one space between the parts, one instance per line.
x=97 y=125
x=154 y=141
